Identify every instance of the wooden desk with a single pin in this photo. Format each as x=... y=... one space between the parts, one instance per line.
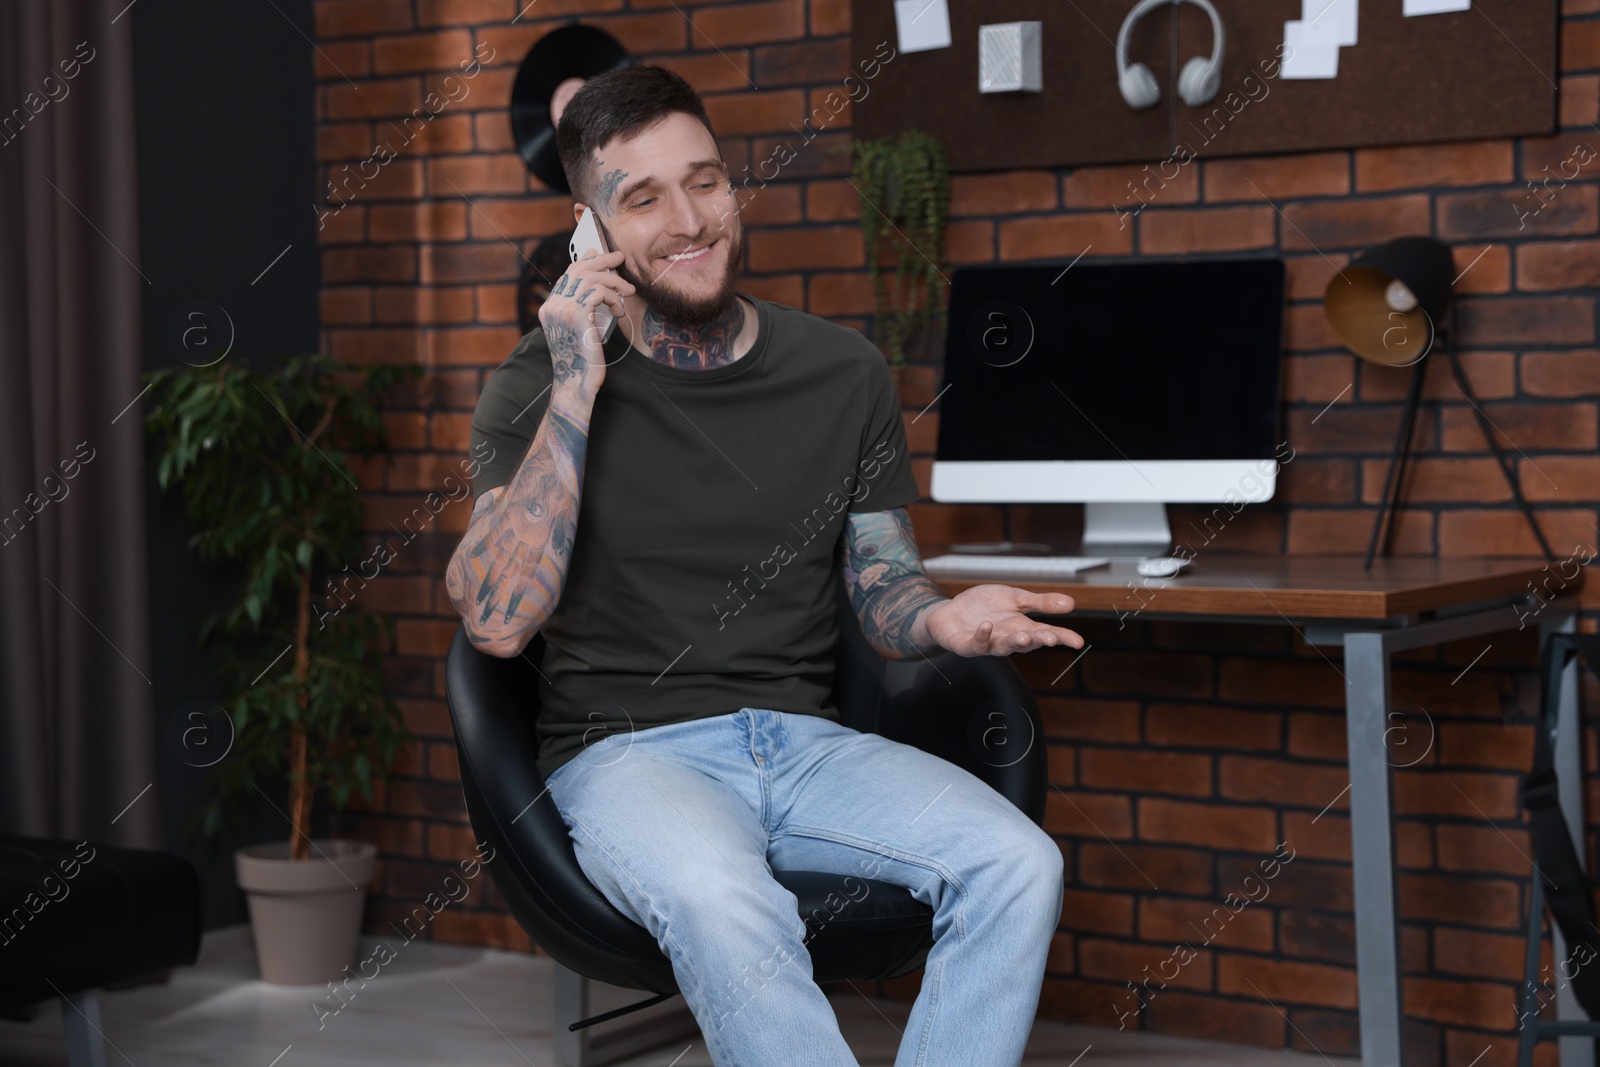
x=1399 y=604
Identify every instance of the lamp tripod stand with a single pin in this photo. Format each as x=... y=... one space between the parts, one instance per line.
x=1402 y=449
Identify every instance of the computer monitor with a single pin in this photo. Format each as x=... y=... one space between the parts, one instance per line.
x=1124 y=386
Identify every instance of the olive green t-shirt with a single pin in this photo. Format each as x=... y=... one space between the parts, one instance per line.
x=701 y=579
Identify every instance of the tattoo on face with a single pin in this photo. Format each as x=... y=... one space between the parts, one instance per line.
x=607 y=187
x=693 y=347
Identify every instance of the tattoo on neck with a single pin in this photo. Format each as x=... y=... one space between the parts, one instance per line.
x=693 y=347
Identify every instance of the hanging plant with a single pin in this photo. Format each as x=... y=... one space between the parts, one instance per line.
x=904 y=187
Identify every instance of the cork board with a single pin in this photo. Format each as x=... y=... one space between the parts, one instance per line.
x=1487 y=72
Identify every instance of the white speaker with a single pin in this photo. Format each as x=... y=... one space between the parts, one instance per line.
x=1009 y=57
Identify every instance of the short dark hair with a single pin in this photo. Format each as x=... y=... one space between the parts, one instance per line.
x=621 y=102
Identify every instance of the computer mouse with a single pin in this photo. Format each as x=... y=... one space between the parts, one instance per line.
x=1161 y=566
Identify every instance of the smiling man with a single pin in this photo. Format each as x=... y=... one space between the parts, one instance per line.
x=671 y=511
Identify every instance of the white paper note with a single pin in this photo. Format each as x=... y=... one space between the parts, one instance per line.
x=1330 y=21
x=1435 y=7
x=922 y=25
x=1307 y=56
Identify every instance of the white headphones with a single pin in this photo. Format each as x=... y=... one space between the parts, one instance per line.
x=1197 y=82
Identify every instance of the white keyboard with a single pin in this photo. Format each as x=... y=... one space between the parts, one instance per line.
x=1021 y=566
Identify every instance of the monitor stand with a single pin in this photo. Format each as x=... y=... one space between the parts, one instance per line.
x=1126 y=529
x=1006 y=546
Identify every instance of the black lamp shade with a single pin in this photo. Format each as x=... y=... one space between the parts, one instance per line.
x=1360 y=313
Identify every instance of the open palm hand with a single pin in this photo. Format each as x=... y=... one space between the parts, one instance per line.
x=989 y=620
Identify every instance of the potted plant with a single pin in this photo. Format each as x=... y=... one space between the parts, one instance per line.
x=262 y=461
x=904 y=186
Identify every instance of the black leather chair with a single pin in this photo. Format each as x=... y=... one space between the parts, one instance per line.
x=975 y=712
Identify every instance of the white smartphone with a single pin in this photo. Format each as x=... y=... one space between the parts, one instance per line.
x=585 y=237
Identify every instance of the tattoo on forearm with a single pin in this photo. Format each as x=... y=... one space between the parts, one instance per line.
x=888 y=586
x=484 y=502
x=507 y=575
x=567 y=361
x=570 y=436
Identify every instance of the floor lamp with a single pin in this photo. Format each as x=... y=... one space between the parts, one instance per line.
x=1388 y=307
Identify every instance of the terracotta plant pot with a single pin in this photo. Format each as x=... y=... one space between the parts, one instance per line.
x=305 y=916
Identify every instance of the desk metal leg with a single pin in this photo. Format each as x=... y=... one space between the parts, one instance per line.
x=1366 y=659
x=1366 y=664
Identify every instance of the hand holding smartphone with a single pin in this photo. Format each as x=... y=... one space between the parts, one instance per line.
x=585 y=238
x=582 y=309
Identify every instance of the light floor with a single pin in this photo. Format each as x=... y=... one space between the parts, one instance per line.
x=443 y=1005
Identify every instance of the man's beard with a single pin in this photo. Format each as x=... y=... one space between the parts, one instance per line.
x=680 y=310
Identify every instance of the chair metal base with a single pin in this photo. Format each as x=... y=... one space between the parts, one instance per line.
x=1531 y=1028
x=610 y=1041
x=1578 y=1035
x=80 y=1018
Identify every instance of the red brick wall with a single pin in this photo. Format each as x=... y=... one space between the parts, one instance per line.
x=1181 y=754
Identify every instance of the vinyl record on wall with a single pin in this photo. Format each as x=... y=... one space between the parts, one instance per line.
x=572 y=55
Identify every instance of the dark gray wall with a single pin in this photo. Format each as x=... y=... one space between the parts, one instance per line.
x=227 y=177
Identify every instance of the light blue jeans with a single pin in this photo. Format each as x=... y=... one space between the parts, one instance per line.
x=680 y=827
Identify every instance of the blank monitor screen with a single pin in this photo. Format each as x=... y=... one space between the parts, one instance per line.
x=1138 y=361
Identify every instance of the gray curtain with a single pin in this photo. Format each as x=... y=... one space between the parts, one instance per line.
x=77 y=719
